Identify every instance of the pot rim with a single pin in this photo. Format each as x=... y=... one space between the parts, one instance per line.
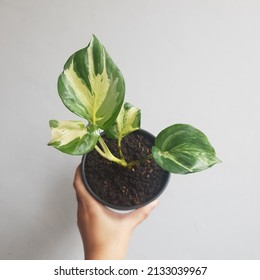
x=165 y=182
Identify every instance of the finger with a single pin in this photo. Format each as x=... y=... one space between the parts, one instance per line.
x=82 y=194
x=141 y=214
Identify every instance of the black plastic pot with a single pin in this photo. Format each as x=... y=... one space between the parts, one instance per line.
x=164 y=181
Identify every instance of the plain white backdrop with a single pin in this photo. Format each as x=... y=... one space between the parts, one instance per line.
x=195 y=62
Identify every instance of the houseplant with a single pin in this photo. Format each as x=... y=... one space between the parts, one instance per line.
x=118 y=156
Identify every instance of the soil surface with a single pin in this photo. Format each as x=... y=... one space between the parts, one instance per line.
x=120 y=186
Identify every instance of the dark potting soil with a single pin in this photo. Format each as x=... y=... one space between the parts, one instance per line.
x=122 y=186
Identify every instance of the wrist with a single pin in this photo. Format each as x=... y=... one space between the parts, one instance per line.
x=107 y=252
x=104 y=254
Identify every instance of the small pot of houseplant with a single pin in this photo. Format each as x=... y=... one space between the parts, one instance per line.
x=123 y=166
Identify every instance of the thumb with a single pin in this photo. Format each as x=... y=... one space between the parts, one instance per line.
x=141 y=214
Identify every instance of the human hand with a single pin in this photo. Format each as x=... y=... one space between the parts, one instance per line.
x=105 y=234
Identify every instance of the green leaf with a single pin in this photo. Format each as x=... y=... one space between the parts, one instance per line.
x=127 y=121
x=72 y=137
x=92 y=86
x=183 y=149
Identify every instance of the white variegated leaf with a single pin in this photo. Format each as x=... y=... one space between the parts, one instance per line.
x=183 y=149
x=127 y=121
x=72 y=137
x=92 y=86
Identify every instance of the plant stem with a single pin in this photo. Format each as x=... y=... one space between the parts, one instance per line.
x=106 y=153
x=120 y=149
x=134 y=162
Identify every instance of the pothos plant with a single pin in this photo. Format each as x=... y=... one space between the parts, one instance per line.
x=92 y=87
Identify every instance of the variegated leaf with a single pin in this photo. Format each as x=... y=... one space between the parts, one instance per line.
x=72 y=137
x=127 y=121
x=183 y=149
x=92 y=86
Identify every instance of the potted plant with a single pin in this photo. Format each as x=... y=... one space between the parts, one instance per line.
x=123 y=166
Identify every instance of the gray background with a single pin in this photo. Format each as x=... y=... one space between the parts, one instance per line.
x=194 y=62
